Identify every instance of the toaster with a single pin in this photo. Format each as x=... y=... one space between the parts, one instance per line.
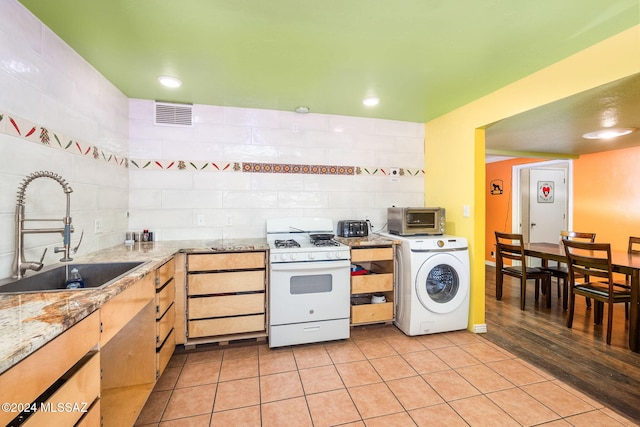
x=353 y=228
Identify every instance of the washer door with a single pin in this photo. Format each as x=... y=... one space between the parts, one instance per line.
x=442 y=283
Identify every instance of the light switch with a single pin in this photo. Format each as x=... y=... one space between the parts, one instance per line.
x=466 y=211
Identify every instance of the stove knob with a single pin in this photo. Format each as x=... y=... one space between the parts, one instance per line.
x=283 y=257
x=312 y=255
x=293 y=257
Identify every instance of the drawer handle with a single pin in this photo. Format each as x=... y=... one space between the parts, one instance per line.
x=312 y=329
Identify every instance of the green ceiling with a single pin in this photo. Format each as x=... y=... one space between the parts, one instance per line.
x=422 y=58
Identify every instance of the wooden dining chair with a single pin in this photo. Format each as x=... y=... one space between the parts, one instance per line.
x=593 y=262
x=509 y=246
x=561 y=271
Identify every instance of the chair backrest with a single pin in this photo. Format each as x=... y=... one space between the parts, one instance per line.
x=633 y=249
x=578 y=235
x=588 y=259
x=509 y=246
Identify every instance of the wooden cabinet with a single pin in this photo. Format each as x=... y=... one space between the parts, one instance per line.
x=226 y=296
x=65 y=370
x=380 y=279
x=128 y=352
x=165 y=315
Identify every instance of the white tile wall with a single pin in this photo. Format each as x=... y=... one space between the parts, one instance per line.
x=237 y=204
x=42 y=80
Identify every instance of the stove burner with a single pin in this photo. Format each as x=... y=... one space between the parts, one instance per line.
x=290 y=243
x=325 y=242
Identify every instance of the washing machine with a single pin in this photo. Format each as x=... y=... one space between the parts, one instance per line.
x=433 y=284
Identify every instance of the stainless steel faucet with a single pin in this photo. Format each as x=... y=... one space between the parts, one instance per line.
x=20 y=266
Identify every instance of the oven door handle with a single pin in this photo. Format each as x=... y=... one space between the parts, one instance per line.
x=309 y=266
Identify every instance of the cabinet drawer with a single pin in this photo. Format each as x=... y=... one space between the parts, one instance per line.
x=164 y=353
x=226 y=282
x=228 y=305
x=166 y=273
x=371 y=254
x=226 y=326
x=164 y=325
x=164 y=298
x=92 y=417
x=369 y=283
x=226 y=261
x=81 y=386
x=371 y=312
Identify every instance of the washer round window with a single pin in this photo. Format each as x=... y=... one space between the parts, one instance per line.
x=442 y=283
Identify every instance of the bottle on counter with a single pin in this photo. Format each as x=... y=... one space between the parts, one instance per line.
x=75 y=280
x=145 y=235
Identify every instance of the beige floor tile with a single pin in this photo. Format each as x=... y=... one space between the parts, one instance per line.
x=311 y=356
x=354 y=424
x=557 y=399
x=484 y=352
x=290 y=412
x=396 y=420
x=277 y=362
x=177 y=359
x=197 y=421
x=319 y=379
x=237 y=394
x=332 y=408
x=464 y=337
x=344 y=352
x=414 y=393
x=480 y=411
x=241 y=417
x=375 y=400
x=358 y=373
x=455 y=357
x=191 y=401
x=198 y=374
x=234 y=369
x=424 y=362
x=154 y=408
x=393 y=367
x=444 y=414
x=450 y=385
x=168 y=379
x=522 y=407
x=205 y=356
x=370 y=332
x=376 y=348
x=432 y=341
x=484 y=378
x=516 y=372
x=404 y=344
x=284 y=385
x=240 y=352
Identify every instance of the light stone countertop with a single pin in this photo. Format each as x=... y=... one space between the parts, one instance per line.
x=28 y=321
x=370 y=240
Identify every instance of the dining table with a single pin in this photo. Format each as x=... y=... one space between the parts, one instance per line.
x=621 y=262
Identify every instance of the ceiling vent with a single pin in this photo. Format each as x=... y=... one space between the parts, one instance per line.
x=174 y=114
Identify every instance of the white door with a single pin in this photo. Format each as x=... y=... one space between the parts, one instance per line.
x=547 y=204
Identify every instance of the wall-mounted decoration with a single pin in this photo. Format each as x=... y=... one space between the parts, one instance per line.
x=497 y=186
x=545 y=191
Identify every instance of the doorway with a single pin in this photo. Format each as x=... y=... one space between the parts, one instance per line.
x=543 y=204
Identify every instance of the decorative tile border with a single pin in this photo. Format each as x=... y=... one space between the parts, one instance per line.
x=26 y=130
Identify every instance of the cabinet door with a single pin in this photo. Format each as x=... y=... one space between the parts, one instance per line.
x=226 y=261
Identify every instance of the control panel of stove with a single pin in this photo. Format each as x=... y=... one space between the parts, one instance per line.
x=309 y=256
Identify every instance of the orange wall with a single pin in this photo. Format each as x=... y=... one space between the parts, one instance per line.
x=606 y=197
x=498 y=207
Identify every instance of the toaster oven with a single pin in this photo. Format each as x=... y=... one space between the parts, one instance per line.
x=415 y=221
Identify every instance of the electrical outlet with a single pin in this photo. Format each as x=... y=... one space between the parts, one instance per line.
x=229 y=221
x=200 y=220
x=493 y=254
x=97 y=226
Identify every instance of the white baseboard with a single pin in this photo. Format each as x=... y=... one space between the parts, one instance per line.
x=491 y=263
x=480 y=328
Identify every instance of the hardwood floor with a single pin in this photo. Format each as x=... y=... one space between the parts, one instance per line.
x=578 y=356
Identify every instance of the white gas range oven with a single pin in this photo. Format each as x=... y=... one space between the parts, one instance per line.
x=309 y=286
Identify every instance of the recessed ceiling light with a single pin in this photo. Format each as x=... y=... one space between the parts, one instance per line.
x=302 y=109
x=169 y=81
x=371 y=101
x=608 y=133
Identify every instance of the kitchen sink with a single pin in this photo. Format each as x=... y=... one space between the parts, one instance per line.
x=95 y=276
